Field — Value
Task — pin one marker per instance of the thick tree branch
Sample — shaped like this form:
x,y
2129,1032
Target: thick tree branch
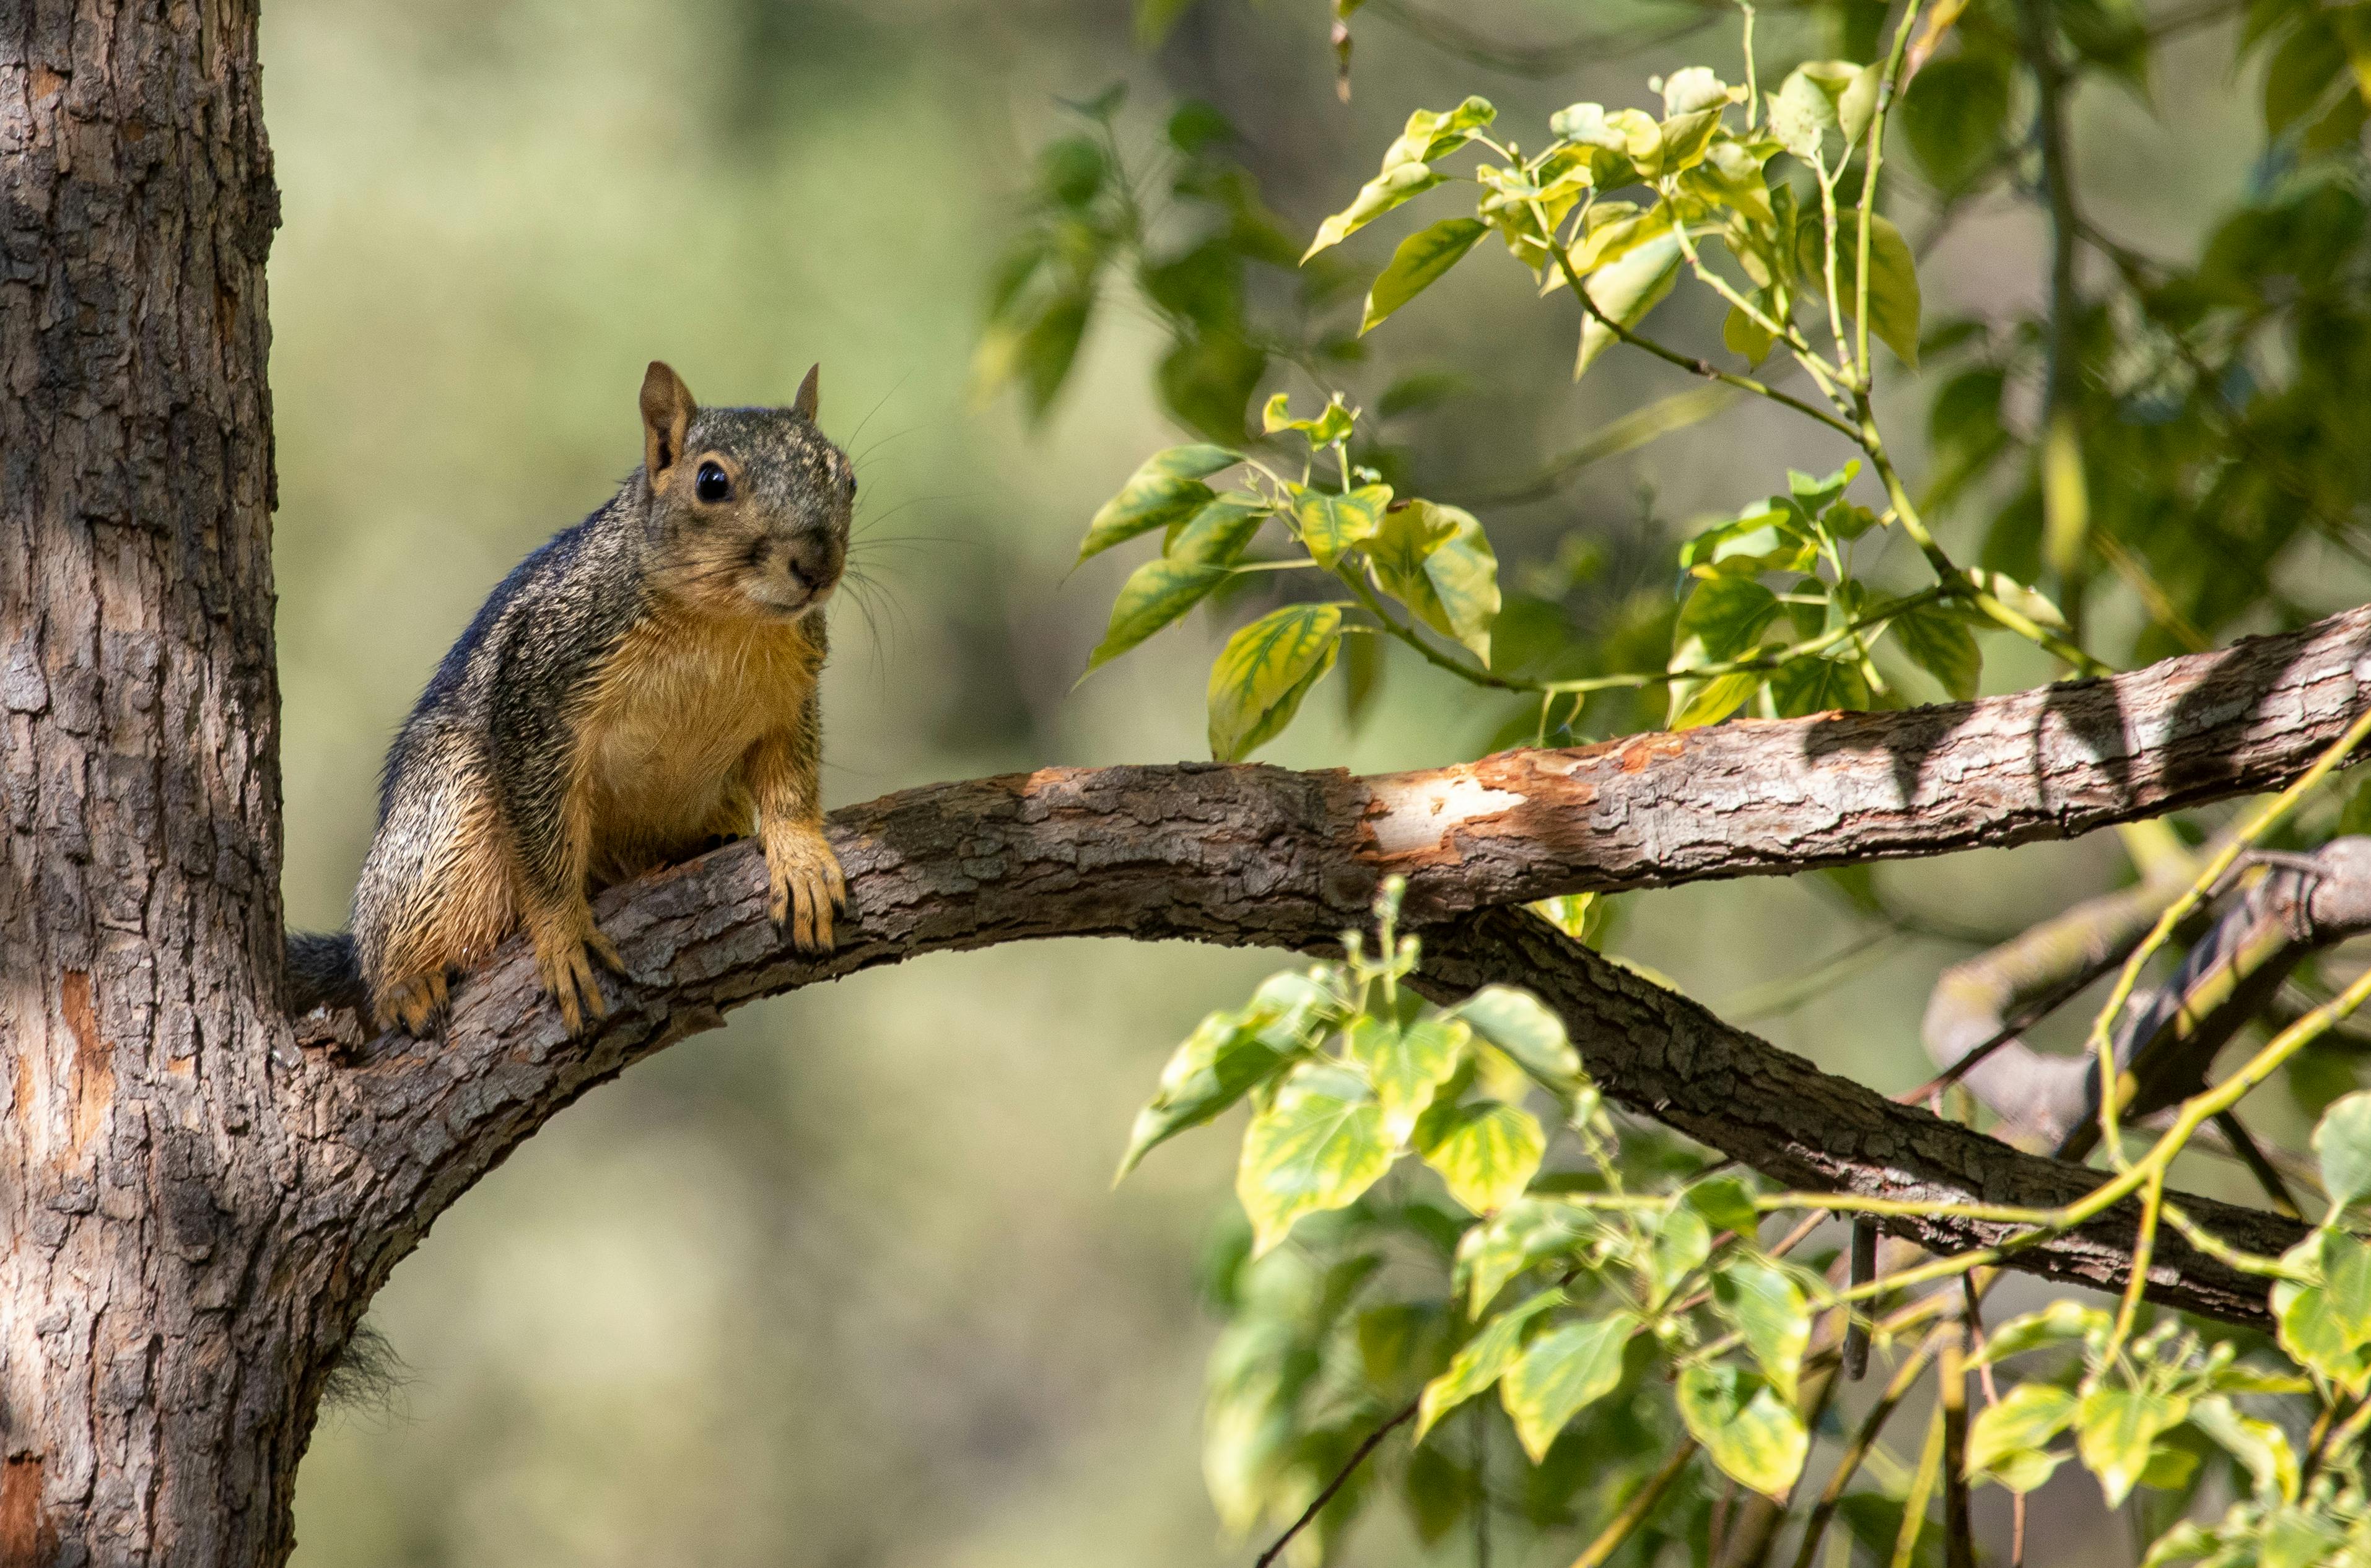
x,y
1257,856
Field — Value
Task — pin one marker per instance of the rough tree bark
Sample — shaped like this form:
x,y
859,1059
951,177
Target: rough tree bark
x,y
157,1303
196,1210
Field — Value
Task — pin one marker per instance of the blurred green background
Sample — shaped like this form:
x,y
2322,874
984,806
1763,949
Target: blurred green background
x,y
844,1283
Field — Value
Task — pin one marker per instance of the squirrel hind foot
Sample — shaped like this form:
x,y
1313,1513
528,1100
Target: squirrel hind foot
x,y
420,1005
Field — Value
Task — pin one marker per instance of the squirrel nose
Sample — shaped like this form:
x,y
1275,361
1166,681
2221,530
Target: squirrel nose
x,y
813,563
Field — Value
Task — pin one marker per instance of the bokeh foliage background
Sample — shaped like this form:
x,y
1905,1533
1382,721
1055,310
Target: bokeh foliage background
x,y
844,1284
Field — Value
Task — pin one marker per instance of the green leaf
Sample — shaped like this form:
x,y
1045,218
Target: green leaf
x,y
1463,572
1430,134
2005,1436
2262,1445
1406,1065
1332,423
1954,114
2032,603
2343,1140
1167,489
1753,1435
1486,1152
1565,1369
1523,1235
1438,1492
1938,641
1893,300
1375,197
1697,704
1422,258
1818,686
1521,1024
1745,336
1330,524
1764,1303
1318,1146
1625,291
2057,1323
1216,535
1222,1061
1722,619
1484,1360
1263,672
1682,1242
2114,1430
1800,112
1155,593
2313,1335
2346,1281
1693,88
1726,1202
1857,105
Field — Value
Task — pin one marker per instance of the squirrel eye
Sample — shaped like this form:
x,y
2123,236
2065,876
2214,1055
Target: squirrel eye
x,y
851,484
711,484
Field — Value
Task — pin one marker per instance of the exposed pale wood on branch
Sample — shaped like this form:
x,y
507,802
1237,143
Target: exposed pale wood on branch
x,y
1259,856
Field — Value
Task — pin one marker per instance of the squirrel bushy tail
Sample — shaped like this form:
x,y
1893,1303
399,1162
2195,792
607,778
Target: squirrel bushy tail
x,y
323,970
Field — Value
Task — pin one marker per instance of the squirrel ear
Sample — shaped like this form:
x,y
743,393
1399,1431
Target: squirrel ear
x,y
667,408
804,404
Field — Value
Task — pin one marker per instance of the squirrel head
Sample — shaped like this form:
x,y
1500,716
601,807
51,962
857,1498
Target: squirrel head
x,y
749,507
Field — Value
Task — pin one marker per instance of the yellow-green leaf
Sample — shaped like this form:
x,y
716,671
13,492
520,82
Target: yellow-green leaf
x,y
1422,258
1225,1057
2313,1335
2262,1445
2004,1434
1525,1233
1762,1302
1216,535
2114,1430
1752,1434
1375,197
1682,1242
2057,1323
1406,1065
1521,1024
1893,299
1332,422
1166,490
2346,1280
1155,593
1565,1369
1486,1152
1726,1202
2343,1142
1259,678
1317,1146
1625,291
1481,1362
1329,524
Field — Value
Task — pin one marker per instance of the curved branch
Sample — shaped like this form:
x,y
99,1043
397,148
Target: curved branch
x,y
1259,855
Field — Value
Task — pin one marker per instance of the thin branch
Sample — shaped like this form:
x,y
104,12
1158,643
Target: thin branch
x,y
1341,1479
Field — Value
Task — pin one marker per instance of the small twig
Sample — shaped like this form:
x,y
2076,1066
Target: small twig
x,y
1617,1529
1341,1479
1864,1269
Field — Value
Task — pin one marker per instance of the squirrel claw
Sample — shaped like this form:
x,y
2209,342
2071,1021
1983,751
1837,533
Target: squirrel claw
x,y
804,887
566,966
416,1006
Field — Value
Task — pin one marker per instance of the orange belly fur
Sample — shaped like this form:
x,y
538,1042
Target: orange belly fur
x,y
670,721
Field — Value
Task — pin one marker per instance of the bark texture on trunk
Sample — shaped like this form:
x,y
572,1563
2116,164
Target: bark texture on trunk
x,y
151,1348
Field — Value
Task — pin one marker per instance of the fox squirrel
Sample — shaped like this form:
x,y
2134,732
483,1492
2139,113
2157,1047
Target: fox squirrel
x,y
636,690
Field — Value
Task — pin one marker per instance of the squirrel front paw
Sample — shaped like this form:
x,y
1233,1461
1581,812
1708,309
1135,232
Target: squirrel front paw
x,y
805,884
565,948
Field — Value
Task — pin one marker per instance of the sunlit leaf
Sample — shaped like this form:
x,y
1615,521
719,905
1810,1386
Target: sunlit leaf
x,y
1682,1242
1332,423
1422,258
1751,1432
1221,1062
1318,1146
1762,1302
1375,197
1521,1024
1564,1370
1259,678
1893,298
1166,490
1726,1202
1520,1236
1216,535
1330,524
2343,1142
1406,1065
2261,1445
1482,1361
1486,1152
2024,1421
1625,291
2059,1323
2114,1430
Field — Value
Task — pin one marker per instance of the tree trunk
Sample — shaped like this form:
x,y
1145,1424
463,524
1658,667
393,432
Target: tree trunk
x,y
154,1383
